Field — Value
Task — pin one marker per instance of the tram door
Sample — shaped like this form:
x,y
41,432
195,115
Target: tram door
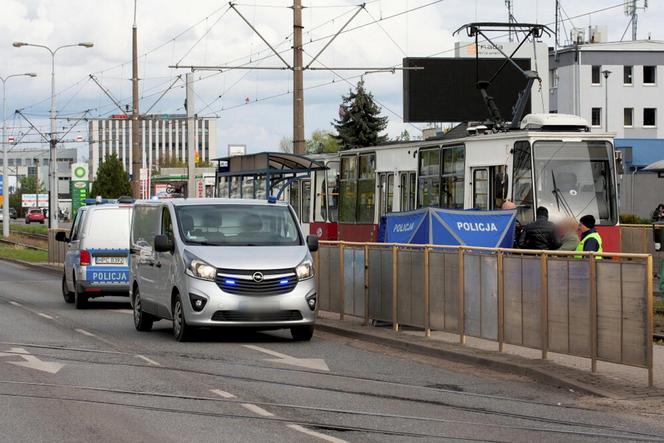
x,y
385,192
490,185
300,200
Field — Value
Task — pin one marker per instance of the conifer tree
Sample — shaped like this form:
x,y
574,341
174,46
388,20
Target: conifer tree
x,y
360,122
112,180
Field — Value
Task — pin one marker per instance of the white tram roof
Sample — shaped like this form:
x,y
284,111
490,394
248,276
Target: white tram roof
x,y
541,126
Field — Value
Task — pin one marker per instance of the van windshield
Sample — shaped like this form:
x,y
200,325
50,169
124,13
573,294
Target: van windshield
x,y
237,225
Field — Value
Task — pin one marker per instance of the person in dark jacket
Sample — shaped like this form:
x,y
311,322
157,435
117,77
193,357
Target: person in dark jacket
x,y
590,239
540,234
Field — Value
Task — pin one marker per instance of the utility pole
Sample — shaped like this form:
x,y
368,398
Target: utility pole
x,y
298,80
136,154
191,138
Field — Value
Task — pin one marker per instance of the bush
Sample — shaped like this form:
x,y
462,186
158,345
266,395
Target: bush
x,y
631,219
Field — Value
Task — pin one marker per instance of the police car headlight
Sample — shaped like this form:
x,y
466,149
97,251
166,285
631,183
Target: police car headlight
x,y
305,270
199,268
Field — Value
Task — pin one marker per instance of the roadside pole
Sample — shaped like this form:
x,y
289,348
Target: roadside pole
x,y
191,138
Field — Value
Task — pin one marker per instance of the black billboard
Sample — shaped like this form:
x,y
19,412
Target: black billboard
x,y
446,89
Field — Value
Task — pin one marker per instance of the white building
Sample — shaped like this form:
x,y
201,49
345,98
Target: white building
x,y
634,89
30,162
163,137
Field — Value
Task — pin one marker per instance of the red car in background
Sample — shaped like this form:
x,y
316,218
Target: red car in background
x,y
34,215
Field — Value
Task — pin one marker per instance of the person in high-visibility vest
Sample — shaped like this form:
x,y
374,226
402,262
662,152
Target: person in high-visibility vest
x,y
591,241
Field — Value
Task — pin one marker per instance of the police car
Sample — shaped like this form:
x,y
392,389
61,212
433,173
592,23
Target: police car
x,y
97,257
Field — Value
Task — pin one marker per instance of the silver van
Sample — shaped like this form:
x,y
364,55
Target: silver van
x,y
97,257
221,262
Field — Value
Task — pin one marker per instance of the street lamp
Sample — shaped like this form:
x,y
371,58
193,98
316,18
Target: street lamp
x,y
5,174
53,165
606,74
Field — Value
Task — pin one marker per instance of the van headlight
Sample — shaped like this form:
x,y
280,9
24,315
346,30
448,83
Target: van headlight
x,y
305,270
199,268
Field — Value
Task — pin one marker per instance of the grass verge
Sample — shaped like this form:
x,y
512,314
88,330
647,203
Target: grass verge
x,y
31,229
19,253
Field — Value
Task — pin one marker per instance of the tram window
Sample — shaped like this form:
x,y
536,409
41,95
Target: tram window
x,y
348,189
522,186
295,197
222,187
390,192
386,192
235,187
306,201
453,177
366,189
481,189
248,187
429,185
333,181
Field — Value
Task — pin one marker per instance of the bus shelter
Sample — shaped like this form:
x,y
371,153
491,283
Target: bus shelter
x,y
263,174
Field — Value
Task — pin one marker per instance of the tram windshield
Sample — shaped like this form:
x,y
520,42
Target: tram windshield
x,y
573,179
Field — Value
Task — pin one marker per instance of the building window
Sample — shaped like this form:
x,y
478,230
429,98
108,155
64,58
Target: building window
x,y
650,117
649,75
596,117
553,78
628,117
627,75
596,75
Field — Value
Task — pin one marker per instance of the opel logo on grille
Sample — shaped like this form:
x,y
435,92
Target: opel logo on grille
x,y
258,277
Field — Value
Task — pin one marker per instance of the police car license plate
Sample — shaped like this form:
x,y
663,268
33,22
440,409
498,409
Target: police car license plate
x,y
110,260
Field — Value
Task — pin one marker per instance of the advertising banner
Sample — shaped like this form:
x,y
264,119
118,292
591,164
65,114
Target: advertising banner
x,y
34,201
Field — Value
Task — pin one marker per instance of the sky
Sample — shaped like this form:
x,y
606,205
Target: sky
x,y
253,107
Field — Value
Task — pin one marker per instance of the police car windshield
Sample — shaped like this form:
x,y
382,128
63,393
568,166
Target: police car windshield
x,y
238,225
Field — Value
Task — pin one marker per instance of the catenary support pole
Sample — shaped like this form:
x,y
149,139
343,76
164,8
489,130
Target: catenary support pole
x,y
136,154
298,80
191,137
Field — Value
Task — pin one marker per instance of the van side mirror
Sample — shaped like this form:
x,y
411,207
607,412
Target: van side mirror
x,y
312,243
61,236
163,244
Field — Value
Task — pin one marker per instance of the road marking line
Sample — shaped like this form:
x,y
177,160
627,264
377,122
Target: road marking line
x,y
84,332
149,360
16,304
268,351
257,410
45,316
317,364
221,393
316,434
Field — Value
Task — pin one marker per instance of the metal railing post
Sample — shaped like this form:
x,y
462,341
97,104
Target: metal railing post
x,y
461,295
501,302
395,282
593,312
427,305
544,305
366,285
342,286
649,326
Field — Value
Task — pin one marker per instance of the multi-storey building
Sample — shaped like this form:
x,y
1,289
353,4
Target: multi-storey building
x,y
163,140
629,78
22,162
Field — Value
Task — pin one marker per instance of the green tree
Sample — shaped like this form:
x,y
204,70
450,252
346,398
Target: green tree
x,y
26,185
286,145
404,136
112,180
359,123
321,142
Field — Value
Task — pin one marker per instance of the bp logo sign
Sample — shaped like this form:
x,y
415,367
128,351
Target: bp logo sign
x,y
79,171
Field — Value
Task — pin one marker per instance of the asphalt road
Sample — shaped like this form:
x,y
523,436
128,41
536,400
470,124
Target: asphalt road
x,y
68,375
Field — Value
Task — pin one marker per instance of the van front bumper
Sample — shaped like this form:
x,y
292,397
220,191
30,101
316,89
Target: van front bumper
x,y
259,311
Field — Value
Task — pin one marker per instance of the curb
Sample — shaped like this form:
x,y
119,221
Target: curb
x,y
538,374
52,269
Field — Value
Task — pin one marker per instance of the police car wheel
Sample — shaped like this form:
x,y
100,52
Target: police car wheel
x,y
142,321
181,330
302,333
66,293
80,300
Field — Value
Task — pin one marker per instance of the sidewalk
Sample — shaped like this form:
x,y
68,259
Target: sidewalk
x,y
610,381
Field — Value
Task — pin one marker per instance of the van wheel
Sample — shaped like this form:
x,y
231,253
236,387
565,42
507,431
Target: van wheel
x,y
66,293
80,299
181,330
302,333
142,321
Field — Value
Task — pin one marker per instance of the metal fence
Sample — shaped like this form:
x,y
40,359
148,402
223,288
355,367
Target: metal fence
x,y
562,302
56,249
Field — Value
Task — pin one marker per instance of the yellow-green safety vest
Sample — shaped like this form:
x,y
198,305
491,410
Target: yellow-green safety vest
x,y
596,236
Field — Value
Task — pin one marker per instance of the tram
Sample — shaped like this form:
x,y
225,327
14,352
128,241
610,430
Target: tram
x,y
552,161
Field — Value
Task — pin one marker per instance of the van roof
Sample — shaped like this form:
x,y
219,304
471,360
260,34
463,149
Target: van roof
x,y
209,201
